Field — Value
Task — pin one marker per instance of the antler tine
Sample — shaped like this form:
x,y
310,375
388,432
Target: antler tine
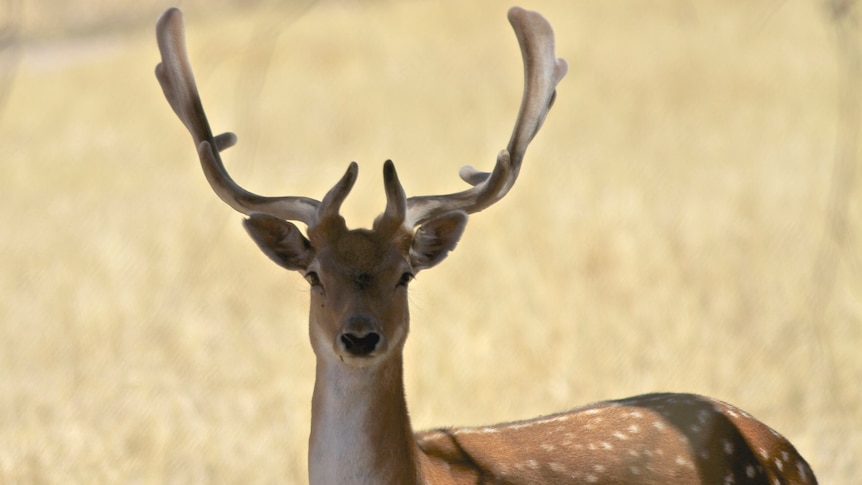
x,y
396,201
178,84
542,72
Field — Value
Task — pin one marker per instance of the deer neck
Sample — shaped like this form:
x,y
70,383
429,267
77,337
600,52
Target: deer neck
x,y
360,431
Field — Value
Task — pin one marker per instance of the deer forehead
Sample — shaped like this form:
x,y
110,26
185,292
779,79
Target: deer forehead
x,y
362,255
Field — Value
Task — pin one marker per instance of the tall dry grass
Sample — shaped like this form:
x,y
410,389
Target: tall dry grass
x,y
687,220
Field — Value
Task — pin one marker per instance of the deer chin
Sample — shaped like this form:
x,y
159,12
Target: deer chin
x,y
360,362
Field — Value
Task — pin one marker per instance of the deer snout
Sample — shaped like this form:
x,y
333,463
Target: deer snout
x,y
360,337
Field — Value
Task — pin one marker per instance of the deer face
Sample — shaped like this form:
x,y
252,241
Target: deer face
x,y
358,278
358,294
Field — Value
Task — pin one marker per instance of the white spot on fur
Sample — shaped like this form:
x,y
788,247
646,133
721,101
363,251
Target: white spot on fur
x,y
802,471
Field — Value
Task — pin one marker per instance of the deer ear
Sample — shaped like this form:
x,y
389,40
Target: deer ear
x,y
434,239
280,240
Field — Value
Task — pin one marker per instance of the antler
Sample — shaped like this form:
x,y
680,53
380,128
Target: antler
x,y
178,83
542,71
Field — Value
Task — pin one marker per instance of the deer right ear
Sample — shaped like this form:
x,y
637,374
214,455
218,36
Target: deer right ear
x,y
280,240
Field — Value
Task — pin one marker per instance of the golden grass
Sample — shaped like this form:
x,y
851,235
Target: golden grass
x,y
674,228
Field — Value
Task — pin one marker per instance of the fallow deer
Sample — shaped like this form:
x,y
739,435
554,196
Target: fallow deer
x,y
360,429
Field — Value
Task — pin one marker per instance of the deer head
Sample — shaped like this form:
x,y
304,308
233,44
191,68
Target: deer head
x,y
359,277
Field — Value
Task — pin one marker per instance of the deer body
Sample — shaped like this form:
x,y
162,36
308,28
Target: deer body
x,y
648,439
359,321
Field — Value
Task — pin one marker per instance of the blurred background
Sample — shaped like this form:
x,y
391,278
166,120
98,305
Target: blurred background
x,y
689,219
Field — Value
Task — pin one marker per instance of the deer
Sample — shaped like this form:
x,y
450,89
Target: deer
x,y
361,432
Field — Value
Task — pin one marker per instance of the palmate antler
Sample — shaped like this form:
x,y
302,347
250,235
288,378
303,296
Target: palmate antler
x,y
178,83
542,71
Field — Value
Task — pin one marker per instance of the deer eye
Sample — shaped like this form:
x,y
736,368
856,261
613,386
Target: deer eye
x,y
312,279
406,278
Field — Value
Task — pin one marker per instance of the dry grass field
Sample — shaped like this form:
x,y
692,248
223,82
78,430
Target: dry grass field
x,y
689,219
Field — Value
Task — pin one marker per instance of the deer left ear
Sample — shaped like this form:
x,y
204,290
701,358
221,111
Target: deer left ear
x,y
434,239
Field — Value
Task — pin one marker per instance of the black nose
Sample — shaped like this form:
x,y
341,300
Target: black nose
x,y
360,345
